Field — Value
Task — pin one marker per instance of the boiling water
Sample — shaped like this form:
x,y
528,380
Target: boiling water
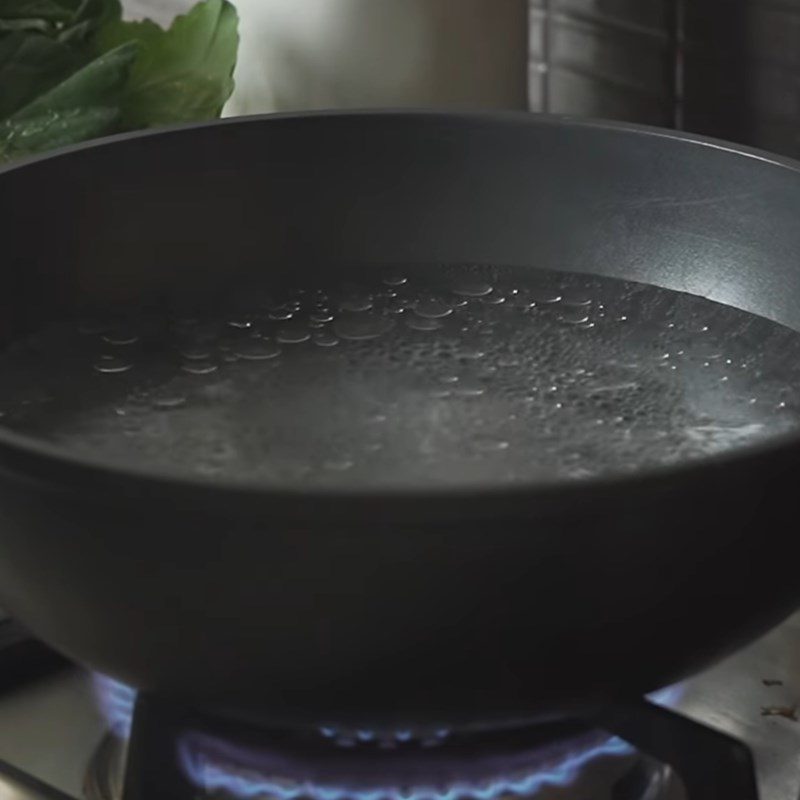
x,y
423,376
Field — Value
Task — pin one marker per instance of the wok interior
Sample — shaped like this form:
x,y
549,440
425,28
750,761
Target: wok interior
x,y
180,218
181,214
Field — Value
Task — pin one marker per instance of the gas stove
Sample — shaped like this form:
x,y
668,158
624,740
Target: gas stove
x,y
70,735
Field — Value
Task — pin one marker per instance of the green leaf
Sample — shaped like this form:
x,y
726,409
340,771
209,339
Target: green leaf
x,y
71,70
43,41
83,106
49,10
77,35
61,11
97,84
35,134
36,25
30,64
183,74
71,21
99,12
89,16
148,35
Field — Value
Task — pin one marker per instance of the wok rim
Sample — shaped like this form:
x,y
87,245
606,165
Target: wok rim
x,y
30,459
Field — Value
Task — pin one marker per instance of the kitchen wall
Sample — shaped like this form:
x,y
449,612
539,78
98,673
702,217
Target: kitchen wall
x,y
302,54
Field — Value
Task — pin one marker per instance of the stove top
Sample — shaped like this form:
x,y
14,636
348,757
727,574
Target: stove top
x,y
52,731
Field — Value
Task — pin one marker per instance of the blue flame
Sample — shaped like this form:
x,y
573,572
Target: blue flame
x,y
244,784
384,738
117,702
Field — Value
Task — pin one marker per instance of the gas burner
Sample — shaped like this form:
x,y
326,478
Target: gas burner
x,y
176,753
590,766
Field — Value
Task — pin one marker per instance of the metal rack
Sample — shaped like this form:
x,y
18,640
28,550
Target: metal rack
x,y
726,68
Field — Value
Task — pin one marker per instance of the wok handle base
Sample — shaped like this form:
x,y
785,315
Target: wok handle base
x,y
710,763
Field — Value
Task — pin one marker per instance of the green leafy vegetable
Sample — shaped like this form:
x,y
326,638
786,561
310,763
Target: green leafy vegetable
x,y
182,74
35,134
31,64
98,83
61,18
46,10
83,106
73,69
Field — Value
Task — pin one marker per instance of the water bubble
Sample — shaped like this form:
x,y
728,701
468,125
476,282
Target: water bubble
x,y
423,324
545,295
432,309
395,280
471,353
325,339
241,323
293,335
575,317
494,299
356,303
321,316
282,314
120,336
257,350
397,306
575,300
195,352
169,402
473,289
524,304
199,367
112,365
362,326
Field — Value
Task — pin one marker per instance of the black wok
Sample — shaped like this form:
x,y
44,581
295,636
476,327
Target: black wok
x,y
382,607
